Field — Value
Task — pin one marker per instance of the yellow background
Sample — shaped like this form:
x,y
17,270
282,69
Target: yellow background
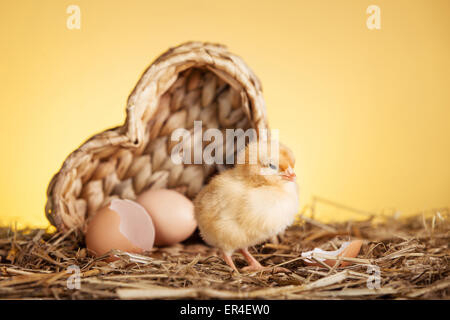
x,y
367,112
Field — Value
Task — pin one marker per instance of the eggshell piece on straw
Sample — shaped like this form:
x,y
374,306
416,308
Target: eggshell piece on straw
x,y
347,250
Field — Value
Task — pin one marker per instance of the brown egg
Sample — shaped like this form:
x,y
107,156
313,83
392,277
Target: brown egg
x,y
172,214
123,225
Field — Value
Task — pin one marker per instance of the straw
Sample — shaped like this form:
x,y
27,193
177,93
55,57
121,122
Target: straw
x,y
36,264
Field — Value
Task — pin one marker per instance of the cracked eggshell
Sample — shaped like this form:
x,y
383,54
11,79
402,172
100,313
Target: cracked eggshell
x,y
348,249
123,225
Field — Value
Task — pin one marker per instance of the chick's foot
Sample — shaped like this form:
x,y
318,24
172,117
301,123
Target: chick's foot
x,y
253,264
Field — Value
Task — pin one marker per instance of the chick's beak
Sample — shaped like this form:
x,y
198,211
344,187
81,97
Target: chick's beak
x,y
289,174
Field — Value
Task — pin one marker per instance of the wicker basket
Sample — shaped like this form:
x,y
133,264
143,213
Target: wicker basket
x,y
194,81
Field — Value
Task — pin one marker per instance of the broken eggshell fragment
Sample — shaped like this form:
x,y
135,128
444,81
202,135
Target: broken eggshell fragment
x,y
349,249
123,225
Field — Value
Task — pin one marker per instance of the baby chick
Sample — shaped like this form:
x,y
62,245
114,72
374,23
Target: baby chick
x,y
248,204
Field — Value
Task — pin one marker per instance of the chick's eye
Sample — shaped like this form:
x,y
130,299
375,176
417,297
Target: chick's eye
x,y
273,167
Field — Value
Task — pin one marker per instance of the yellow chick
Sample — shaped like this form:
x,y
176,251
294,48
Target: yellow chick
x,y
248,204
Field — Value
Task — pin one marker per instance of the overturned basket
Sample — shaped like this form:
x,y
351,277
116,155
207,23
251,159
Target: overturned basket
x,y
194,81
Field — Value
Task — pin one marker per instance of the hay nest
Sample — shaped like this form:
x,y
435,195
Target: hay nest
x,y
412,256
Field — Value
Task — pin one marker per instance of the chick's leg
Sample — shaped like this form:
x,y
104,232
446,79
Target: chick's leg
x,y
229,260
253,264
